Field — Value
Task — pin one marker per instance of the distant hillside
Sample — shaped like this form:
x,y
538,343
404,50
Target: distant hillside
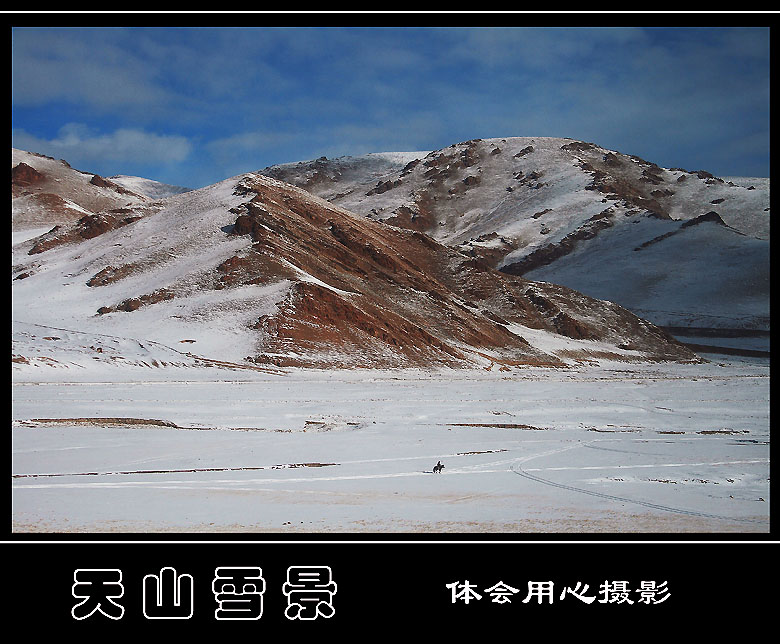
x,y
47,192
148,187
570,212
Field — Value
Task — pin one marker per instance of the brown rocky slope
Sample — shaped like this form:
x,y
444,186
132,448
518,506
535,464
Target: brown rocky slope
x,y
354,292
572,212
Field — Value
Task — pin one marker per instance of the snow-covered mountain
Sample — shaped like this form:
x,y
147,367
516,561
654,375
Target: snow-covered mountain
x,y
259,272
148,187
155,346
680,248
47,192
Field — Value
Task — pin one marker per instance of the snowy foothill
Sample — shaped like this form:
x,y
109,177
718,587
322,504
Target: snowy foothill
x,y
162,442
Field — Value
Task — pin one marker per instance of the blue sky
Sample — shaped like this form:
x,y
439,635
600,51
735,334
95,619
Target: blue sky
x,y
192,106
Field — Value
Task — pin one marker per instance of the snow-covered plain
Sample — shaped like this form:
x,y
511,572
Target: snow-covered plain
x,y
593,448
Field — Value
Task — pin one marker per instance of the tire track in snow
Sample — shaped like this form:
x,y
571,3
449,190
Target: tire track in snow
x,y
656,506
514,466
261,467
227,484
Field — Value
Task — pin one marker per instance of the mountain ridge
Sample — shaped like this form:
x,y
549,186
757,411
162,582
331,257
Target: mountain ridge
x,y
258,271
535,206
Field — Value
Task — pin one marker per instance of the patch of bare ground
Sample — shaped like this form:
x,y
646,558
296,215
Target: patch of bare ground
x,y
111,274
114,421
486,451
498,425
128,422
89,226
723,431
590,354
45,360
223,364
177,471
134,303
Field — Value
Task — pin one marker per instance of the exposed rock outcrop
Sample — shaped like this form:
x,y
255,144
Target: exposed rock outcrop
x,y
23,175
87,227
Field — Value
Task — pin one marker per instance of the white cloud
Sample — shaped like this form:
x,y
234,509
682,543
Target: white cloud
x,y
78,143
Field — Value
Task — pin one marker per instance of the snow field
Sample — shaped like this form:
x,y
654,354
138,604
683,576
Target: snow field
x,y
614,448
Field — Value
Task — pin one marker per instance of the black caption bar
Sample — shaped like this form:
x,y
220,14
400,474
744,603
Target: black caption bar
x,y
325,589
